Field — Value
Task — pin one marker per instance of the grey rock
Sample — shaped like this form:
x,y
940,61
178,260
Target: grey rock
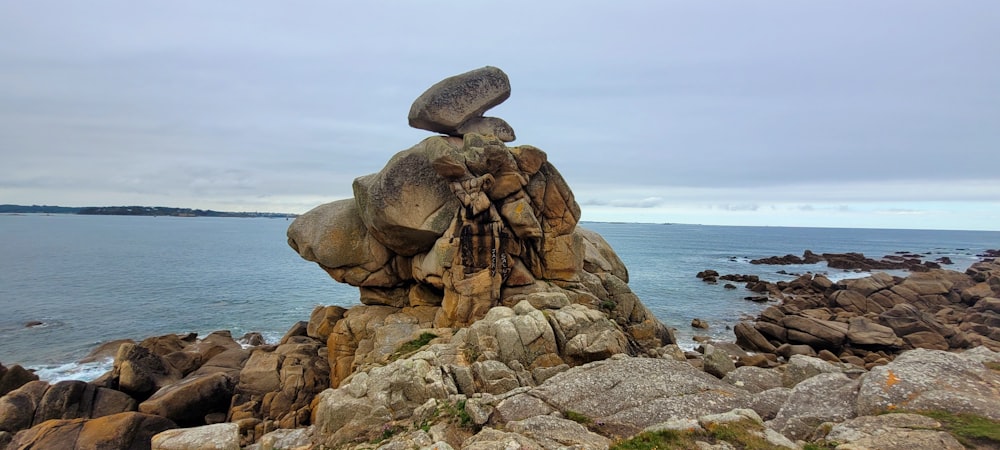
x,y
492,439
285,439
717,362
931,379
405,206
487,126
801,368
892,432
753,379
220,436
449,103
555,433
827,397
625,395
520,407
768,403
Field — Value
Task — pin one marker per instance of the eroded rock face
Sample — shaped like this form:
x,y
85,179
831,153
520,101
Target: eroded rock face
x,y
456,101
932,380
127,430
867,321
459,225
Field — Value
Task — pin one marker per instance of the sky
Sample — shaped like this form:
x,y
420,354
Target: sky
x,y
774,113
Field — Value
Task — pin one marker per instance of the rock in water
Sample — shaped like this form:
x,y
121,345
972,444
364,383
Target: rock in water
x,y
452,102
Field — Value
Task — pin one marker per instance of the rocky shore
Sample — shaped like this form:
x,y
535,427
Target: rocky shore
x,y
490,320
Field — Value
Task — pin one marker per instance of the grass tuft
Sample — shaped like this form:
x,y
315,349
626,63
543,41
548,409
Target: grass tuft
x,y
665,439
412,346
578,418
968,428
745,434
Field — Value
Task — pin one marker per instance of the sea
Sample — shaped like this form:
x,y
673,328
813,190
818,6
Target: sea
x,y
86,280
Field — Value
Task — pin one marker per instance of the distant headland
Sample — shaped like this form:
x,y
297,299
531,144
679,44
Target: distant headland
x,y
133,211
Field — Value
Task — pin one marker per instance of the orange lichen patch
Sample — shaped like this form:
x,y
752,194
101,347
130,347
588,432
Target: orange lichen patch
x,y
891,380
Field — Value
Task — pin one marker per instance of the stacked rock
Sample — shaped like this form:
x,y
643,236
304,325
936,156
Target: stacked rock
x,y
459,224
455,105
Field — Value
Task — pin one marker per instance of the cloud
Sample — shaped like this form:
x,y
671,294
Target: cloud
x,y
642,106
648,202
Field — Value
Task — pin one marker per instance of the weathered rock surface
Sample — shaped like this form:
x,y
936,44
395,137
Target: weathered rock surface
x,y
880,315
625,395
931,380
38,401
892,432
128,430
456,100
14,377
221,436
457,226
804,411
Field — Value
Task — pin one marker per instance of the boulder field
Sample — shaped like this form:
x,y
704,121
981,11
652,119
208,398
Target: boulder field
x,y
487,319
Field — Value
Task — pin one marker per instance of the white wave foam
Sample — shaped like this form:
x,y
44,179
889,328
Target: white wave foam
x,y
74,371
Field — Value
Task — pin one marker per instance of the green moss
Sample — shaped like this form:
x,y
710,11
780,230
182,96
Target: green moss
x,y
745,434
969,429
412,346
819,446
666,439
742,434
578,418
608,305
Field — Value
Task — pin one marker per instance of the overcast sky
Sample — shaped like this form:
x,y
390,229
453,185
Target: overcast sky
x,y
846,114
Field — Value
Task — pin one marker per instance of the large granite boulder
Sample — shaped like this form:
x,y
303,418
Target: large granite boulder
x,y
127,430
220,436
932,380
190,400
459,225
827,397
38,401
896,431
277,385
622,396
14,377
456,100
869,320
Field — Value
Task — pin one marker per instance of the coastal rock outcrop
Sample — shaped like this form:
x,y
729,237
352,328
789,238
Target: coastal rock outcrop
x,y
489,319
455,105
866,321
461,224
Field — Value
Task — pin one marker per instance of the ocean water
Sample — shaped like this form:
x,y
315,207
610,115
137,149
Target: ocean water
x,y
92,279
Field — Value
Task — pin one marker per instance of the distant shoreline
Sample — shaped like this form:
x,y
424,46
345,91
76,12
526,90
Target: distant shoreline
x,y
134,211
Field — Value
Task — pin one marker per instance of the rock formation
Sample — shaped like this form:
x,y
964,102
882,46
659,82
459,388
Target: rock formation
x,y
866,321
489,319
460,224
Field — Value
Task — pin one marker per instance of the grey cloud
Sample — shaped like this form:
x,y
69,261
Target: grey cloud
x,y
724,103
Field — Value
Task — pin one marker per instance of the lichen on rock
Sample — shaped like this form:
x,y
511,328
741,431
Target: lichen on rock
x,y
460,224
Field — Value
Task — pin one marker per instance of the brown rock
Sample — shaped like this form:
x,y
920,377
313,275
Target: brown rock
x,y
926,339
189,400
126,431
862,331
139,372
823,333
17,408
14,377
749,338
322,320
